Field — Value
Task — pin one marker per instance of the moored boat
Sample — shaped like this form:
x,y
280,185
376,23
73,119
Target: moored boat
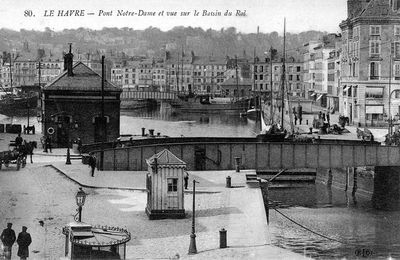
x,y
207,103
11,104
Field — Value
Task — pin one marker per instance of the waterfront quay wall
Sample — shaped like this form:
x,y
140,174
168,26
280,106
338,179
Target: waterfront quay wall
x,y
341,157
357,179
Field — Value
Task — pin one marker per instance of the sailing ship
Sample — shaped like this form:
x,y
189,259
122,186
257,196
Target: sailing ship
x,y
206,103
18,104
275,132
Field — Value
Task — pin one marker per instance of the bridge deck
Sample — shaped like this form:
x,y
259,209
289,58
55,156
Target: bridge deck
x,y
256,155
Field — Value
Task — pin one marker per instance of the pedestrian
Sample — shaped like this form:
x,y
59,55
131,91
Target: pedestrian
x,y
328,118
320,115
300,119
295,119
24,240
186,179
79,142
18,141
8,239
92,163
323,117
48,143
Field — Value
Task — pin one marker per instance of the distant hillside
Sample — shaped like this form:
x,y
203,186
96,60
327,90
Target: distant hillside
x,y
152,41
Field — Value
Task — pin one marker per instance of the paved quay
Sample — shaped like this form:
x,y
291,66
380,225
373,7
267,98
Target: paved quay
x,y
239,210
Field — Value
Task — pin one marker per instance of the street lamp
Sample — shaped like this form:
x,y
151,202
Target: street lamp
x,y
192,246
390,120
80,201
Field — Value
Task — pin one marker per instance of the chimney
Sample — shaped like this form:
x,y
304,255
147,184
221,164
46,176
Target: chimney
x,y
68,61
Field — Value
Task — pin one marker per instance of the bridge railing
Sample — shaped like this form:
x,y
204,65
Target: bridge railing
x,y
141,95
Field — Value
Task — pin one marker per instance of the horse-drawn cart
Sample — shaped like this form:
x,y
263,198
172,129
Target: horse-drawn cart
x,y
12,157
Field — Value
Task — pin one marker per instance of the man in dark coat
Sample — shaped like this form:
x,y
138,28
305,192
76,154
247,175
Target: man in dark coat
x,y
24,240
48,143
18,141
8,239
186,179
92,163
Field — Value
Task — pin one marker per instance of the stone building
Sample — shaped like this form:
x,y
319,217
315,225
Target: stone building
x,y
261,76
370,63
315,75
72,106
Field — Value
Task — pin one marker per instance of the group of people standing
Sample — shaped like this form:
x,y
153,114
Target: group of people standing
x,y
23,240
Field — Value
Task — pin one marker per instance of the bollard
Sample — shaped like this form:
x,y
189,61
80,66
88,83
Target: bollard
x,y
310,130
307,122
228,182
222,238
143,131
237,164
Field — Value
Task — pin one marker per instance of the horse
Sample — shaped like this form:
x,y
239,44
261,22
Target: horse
x,y
27,148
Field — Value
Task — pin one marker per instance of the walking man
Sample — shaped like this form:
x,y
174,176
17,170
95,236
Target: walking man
x,y
8,239
328,118
186,179
24,240
48,143
92,163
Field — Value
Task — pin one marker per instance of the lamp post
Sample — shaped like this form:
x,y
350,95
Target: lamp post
x,y
390,121
66,124
192,246
80,201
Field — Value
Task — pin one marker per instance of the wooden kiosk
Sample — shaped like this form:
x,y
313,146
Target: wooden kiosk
x,y
164,182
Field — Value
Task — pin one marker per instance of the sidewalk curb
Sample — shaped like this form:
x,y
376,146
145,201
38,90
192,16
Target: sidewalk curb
x,y
119,188
90,186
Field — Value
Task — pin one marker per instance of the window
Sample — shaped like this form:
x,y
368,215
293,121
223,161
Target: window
x,y
375,30
374,70
397,30
373,92
261,77
172,184
374,47
261,86
395,49
298,68
396,71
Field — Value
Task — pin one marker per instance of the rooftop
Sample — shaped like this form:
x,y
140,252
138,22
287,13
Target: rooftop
x,y
84,79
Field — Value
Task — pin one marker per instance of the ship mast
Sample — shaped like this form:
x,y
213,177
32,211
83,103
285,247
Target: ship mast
x,y
283,74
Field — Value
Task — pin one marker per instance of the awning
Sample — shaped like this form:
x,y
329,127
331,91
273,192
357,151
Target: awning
x,y
313,94
345,87
373,109
319,97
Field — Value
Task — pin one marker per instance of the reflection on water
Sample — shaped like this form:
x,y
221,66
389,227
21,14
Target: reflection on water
x,y
351,222
173,123
169,122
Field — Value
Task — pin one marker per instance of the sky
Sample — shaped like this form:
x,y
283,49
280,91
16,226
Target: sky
x,y
301,15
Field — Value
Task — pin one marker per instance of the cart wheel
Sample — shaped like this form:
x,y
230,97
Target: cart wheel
x,y
6,164
18,164
23,162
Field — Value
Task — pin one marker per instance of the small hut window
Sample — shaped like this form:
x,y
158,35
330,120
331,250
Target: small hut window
x,y
172,184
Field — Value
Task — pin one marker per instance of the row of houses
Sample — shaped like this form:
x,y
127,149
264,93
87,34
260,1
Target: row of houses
x,y
356,73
